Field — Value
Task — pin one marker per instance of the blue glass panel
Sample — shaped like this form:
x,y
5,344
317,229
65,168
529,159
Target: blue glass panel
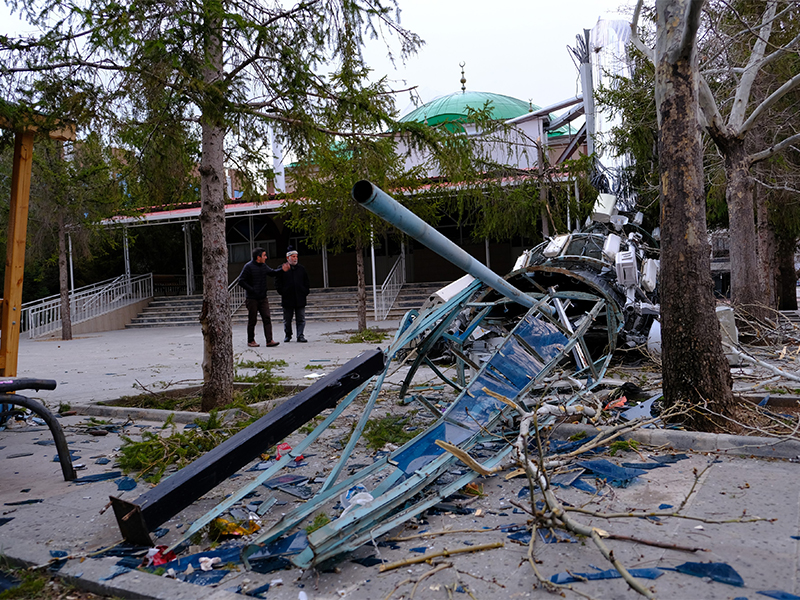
x,y
474,413
544,338
492,383
516,363
425,450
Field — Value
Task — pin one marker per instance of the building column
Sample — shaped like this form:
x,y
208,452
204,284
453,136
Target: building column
x,y
187,248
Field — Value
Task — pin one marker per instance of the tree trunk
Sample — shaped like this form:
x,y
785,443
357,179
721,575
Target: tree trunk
x,y
695,371
63,281
767,249
745,281
361,302
215,315
787,276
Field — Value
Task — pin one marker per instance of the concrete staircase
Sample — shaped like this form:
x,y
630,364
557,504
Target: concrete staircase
x,y
324,304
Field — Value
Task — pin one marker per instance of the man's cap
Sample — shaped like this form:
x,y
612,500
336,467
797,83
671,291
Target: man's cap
x,y
290,251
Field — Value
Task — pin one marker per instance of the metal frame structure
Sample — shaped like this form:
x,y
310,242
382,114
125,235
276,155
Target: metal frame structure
x,y
136,519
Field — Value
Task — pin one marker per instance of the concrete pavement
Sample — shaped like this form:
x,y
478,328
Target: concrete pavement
x,y
717,482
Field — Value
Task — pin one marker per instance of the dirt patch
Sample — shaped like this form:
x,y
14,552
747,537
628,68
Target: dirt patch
x,y
188,399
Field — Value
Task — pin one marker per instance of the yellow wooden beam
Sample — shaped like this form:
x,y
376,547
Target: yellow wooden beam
x,y
15,253
63,131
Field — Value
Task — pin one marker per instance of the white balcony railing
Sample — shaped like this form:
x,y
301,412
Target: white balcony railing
x,y
391,288
41,317
237,294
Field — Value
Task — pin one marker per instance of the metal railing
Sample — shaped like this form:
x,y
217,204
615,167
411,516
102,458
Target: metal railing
x,y
41,317
391,288
237,294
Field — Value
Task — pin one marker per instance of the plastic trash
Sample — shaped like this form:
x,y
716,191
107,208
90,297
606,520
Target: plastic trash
x,y
354,497
282,449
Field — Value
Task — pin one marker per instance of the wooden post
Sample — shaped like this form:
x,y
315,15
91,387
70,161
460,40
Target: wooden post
x,y
15,253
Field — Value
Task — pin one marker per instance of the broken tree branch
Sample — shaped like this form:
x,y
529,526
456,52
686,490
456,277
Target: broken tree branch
x,y
445,552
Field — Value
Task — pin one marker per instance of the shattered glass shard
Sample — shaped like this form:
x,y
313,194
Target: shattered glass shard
x,y
557,536
615,475
205,577
562,578
779,595
721,572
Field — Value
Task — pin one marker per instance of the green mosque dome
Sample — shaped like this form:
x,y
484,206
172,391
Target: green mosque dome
x,y
453,108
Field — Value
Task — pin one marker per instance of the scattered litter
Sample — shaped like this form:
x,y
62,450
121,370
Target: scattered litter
x,y
45,443
155,557
284,480
126,484
56,565
664,506
102,461
521,537
613,474
98,477
207,564
8,581
116,572
258,592
419,549
262,466
779,595
645,466
73,456
354,497
566,479
298,491
222,527
160,532
669,458
204,578
721,572
271,557
550,536
23,502
642,411
585,486
282,449
562,578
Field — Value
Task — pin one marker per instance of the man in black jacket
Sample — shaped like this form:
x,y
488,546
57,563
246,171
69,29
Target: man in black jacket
x,y
254,280
293,286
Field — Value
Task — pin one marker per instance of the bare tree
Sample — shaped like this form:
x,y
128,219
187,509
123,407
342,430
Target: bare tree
x,y
733,66
695,369
233,65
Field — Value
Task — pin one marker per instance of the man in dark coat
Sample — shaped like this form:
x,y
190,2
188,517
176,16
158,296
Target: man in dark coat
x,y
293,286
254,280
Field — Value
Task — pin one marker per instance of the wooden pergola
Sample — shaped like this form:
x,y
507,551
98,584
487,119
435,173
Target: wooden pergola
x,y
17,233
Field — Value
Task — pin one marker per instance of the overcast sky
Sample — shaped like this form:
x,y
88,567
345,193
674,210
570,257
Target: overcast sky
x,y
512,47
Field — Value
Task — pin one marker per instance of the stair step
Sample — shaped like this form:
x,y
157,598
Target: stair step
x,y
324,304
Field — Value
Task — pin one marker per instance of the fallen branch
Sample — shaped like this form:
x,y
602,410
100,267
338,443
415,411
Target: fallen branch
x,y
438,533
429,556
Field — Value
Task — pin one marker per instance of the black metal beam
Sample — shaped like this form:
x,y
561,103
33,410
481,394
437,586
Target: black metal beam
x,y
136,519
